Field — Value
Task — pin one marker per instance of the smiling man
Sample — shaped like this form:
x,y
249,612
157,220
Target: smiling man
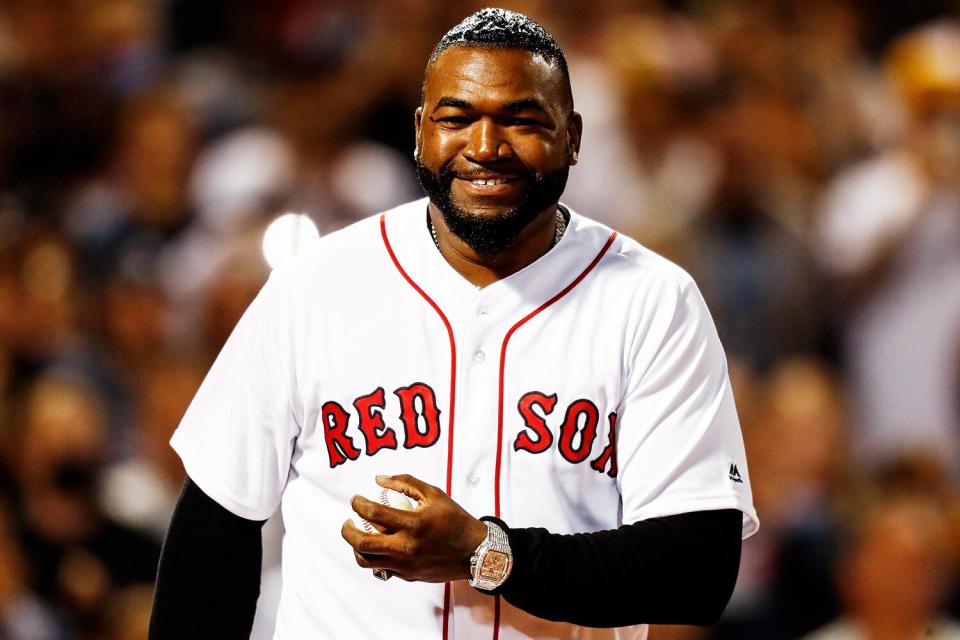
x,y
496,137
551,394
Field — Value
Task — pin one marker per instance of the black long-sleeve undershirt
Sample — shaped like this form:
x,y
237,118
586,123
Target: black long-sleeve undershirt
x,y
677,569
208,581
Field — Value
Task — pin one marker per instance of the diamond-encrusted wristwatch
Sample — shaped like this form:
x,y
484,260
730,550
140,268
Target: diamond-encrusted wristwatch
x,y
491,563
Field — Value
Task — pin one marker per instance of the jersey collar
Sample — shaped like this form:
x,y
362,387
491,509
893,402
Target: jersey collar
x,y
526,289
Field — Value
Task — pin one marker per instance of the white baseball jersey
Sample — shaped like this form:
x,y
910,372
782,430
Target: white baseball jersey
x,y
585,391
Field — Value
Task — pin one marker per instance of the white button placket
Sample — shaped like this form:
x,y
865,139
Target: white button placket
x,y
475,438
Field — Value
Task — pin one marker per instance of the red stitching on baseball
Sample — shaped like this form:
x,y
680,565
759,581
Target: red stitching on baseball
x,y
385,502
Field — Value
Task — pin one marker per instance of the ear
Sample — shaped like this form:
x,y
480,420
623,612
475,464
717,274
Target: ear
x,y
418,132
574,134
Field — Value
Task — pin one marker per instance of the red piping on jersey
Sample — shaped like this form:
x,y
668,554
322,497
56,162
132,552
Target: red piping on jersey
x,y
453,390
503,361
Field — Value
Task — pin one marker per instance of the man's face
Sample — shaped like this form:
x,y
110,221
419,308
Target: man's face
x,y
495,136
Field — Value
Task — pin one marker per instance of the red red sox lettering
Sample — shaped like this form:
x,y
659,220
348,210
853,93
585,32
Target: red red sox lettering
x,y
420,420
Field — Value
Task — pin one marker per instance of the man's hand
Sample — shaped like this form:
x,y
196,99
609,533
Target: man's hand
x,y
432,543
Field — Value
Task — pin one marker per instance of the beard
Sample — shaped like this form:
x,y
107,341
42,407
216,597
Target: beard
x,y
493,234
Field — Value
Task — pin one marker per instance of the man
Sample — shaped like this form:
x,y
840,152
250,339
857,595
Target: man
x,y
485,351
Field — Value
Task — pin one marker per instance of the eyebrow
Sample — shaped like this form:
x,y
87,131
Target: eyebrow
x,y
454,103
524,105
516,105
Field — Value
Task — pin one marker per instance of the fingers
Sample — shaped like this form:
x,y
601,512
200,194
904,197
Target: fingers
x,y
396,548
364,543
419,545
380,552
393,567
383,516
371,562
409,486
367,548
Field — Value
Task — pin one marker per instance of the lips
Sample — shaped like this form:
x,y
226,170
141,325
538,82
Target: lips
x,y
490,185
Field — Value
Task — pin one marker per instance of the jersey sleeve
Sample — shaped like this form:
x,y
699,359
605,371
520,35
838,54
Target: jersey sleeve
x,y
679,444
237,436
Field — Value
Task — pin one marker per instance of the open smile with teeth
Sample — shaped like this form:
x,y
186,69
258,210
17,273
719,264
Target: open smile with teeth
x,y
487,187
491,181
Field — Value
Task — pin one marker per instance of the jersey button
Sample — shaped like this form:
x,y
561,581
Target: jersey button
x,y
473,480
479,357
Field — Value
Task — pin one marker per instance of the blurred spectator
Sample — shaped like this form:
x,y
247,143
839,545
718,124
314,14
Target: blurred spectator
x,y
893,574
757,274
234,288
240,181
644,168
796,448
139,201
45,296
23,616
890,234
129,613
141,490
135,318
76,553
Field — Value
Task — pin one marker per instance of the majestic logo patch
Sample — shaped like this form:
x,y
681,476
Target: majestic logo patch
x,y
735,474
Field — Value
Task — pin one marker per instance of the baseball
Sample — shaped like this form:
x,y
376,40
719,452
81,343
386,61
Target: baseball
x,y
387,497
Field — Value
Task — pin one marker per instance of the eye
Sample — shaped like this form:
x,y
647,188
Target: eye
x,y
452,122
523,122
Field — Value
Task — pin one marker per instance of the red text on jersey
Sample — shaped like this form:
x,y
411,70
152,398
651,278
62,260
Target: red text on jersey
x,y
575,438
419,418
578,431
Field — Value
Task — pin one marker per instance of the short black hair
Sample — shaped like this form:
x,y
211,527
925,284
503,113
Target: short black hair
x,y
494,28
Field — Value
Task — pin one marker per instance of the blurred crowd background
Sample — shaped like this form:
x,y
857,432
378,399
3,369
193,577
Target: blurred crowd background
x,y
801,158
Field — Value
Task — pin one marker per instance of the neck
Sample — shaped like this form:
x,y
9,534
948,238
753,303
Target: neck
x,y
481,270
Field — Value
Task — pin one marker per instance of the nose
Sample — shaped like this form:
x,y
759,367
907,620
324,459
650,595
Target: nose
x,y
487,142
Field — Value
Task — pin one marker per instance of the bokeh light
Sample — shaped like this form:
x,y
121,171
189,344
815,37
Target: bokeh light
x,y
287,236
